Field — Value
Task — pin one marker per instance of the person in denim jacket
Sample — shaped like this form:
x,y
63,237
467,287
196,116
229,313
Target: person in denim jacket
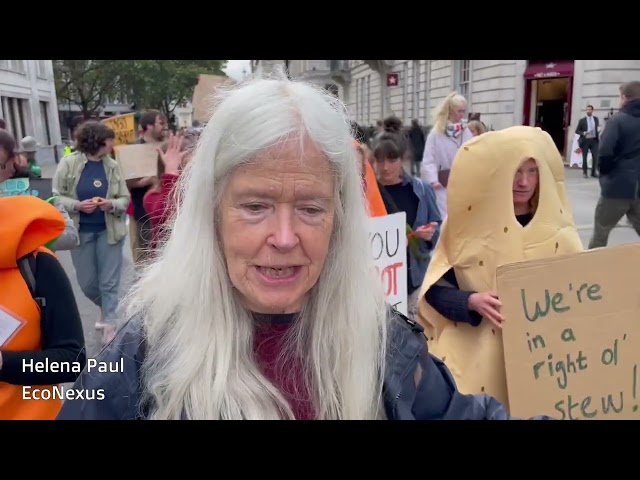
x,y
418,200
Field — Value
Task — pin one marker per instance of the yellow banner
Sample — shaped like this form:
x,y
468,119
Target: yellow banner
x,y
124,126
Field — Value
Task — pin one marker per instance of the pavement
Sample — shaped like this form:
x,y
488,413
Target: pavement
x,y
583,193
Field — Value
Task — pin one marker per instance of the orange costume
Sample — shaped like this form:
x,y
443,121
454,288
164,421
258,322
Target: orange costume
x,y
374,198
26,224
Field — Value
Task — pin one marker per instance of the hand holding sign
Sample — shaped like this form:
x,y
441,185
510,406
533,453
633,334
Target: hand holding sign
x,y
488,305
425,232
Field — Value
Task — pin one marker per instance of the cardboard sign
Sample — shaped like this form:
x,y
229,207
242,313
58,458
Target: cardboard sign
x,y
572,334
124,128
388,241
38,187
138,161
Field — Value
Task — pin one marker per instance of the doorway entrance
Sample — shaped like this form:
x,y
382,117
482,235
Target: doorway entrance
x,y
551,104
548,98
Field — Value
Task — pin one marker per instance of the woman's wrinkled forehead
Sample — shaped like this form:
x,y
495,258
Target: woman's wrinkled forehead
x,y
290,157
294,154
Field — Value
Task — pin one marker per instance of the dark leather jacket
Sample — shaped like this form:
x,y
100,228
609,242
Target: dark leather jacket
x,y
417,386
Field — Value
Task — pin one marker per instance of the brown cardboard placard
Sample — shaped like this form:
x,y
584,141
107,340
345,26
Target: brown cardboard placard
x,y
572,334
138,161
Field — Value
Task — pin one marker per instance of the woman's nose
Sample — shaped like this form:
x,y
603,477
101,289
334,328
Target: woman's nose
x,y
284,236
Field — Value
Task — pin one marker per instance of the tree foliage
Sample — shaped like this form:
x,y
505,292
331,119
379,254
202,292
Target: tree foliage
x,y
85,83
157,84
163,84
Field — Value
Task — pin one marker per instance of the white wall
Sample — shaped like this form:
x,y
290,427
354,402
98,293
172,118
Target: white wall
x,y
34,83
493,86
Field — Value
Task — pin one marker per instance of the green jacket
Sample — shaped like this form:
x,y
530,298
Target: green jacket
x,y
65,182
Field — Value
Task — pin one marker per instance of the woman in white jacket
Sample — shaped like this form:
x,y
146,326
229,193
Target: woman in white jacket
x,y
446,137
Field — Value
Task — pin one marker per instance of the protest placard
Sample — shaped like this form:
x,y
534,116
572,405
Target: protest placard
x,y
388,241
138,161
37,187
124,128
572,336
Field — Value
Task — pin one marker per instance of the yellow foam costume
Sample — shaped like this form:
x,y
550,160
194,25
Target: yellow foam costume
x,y
481,232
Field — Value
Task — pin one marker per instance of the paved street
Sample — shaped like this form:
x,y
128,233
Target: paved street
x,y
88,311
582,192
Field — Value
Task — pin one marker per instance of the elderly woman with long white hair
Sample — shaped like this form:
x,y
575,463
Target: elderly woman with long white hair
x,y
262,303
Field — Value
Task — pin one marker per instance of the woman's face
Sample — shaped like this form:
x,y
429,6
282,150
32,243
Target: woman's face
x,y
277,218
7,165
525,182
389,170
107,149
456,113
4,157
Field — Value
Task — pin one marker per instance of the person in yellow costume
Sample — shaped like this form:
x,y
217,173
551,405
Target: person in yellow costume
x,y
507,202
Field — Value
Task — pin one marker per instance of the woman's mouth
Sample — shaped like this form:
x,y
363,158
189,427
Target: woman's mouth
x,y
280,274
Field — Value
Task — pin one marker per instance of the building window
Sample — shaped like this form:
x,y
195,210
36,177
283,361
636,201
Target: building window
x,y
368,116
332,89
42,69
15,114
463,76
361,100
44,114
13,65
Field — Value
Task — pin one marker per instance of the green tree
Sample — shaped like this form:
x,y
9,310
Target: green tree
x,y
163,84
86,83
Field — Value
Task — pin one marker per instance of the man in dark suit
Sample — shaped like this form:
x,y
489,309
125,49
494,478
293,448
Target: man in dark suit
x,y
589,140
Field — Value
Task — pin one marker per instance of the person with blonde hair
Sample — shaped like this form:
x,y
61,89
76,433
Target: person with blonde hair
x,y
445,138
262,303
507,203
476,127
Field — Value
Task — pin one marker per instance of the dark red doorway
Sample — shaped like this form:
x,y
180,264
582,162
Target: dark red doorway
x,y
547,98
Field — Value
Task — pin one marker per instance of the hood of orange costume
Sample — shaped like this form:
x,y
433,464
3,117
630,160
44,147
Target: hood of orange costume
x,y
372,192
26,223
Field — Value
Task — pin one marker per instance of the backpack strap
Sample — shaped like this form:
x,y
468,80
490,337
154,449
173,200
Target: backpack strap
x,y
27,267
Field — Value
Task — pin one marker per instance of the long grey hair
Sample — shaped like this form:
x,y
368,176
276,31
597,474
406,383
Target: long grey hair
x,y
200,362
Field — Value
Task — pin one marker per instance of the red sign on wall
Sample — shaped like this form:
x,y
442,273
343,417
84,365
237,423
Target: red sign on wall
x,y
393,79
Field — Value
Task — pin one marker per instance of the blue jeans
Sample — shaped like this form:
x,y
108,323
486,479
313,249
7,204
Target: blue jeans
x,y
99,269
